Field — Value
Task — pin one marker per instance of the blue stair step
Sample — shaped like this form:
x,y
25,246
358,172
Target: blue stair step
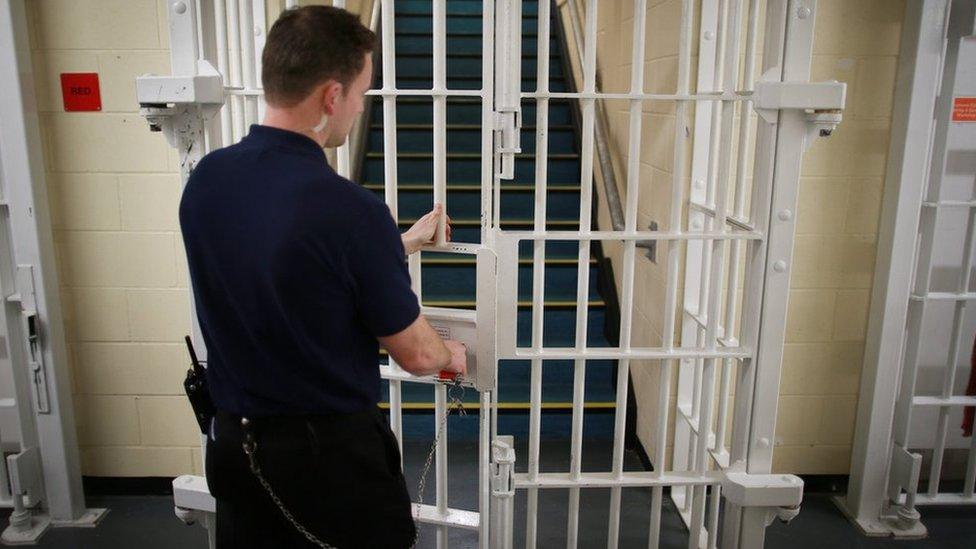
x,y
467,203
454,7
467,138
419,168
408,24
466,83
466,66
466,44
448,281
417,110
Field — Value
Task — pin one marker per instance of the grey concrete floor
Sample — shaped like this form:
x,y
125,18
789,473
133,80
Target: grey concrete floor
x,y
147,521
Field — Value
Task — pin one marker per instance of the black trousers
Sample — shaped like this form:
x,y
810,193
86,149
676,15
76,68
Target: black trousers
x,y
339,475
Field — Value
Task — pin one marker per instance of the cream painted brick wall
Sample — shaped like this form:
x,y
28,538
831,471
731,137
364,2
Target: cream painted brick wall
x,y
114,194
837,218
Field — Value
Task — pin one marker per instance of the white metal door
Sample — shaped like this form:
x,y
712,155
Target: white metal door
x,y
39,459
733,226
920,339
739,230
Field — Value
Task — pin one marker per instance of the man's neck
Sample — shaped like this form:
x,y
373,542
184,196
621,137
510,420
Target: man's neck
x,y
287,119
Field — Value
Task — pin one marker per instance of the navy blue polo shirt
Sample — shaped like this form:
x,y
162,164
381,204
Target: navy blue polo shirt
x,y
296,271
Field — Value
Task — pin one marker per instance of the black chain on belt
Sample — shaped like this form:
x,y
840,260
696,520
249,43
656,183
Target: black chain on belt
x,y
456,396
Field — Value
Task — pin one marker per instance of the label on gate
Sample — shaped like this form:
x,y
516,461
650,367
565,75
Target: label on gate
x,y
964,109
80,91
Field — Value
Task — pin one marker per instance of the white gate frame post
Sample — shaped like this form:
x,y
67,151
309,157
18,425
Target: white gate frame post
x,y
916,89
39,341
789,23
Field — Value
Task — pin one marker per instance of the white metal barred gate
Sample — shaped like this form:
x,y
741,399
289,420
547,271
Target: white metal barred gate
x,y
731,223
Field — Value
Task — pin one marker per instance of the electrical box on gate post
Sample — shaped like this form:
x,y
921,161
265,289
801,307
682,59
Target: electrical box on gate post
x,y
476,329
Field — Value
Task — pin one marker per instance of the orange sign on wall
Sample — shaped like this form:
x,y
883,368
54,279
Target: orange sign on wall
x,y
964,109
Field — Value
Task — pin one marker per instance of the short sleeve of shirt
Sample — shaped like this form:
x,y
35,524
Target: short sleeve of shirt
x,y
376,261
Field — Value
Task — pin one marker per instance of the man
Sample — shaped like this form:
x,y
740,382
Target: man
x,y
299,275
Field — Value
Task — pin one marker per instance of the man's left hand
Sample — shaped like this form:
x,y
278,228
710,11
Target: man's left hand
x,y
422,232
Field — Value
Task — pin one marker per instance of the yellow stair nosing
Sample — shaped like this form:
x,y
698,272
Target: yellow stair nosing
x,y
551,156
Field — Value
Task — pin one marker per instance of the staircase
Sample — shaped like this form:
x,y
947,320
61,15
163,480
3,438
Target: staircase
x,y
449,280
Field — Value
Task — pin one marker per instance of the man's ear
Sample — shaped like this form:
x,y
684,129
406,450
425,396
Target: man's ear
x,y
331,93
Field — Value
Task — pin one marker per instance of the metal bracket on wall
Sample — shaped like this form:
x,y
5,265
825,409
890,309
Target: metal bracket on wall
x,y
822,101
31,322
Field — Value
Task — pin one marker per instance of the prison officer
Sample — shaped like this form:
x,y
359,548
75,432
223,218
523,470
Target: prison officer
x,y
298,277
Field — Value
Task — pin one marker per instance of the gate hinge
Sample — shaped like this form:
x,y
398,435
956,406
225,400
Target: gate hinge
x,y
822,101
782,494
503,467
179,106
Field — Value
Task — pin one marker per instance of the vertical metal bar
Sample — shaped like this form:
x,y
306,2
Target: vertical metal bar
x,y
441,460
722,120
235,52
291,4
220,26
739,188
920,63
440,115
792,128
389,108
949,376
247,56
689,369
538,267
487,131
627,298
674,264
588,110
736,519
390,181
484,468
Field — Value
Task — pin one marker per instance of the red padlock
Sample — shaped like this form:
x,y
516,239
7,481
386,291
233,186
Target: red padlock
x,y
444,375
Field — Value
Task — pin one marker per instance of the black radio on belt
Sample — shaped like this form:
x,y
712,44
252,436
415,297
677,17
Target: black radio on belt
x,y
196,389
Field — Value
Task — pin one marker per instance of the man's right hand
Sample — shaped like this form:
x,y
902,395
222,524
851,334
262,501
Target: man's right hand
x,y
459,359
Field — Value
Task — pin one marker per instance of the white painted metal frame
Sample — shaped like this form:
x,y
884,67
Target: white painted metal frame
x,y
790,113
37,423
719,234
922,194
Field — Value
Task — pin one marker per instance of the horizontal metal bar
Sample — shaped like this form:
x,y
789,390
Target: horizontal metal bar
x,y
717,451
942,499
945,296
735,221
645,96
507,405
646,353
425,93
943,401
636,235
248,92
629,478
949,204
387,372
458,518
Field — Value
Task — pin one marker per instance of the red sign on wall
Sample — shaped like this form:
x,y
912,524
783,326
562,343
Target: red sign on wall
x,y
964,109
80,91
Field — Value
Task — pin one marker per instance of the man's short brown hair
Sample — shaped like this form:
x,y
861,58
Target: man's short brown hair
x,y
309,45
